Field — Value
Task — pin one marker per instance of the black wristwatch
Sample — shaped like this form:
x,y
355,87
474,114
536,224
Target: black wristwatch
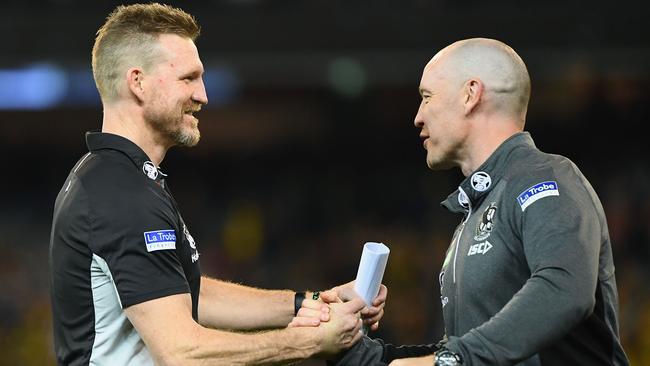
x,y
298,298
445,357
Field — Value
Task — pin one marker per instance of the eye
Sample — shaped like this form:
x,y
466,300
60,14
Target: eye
x,y
190,77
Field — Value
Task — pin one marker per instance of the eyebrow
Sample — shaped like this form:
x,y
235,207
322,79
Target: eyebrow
x,y
193,73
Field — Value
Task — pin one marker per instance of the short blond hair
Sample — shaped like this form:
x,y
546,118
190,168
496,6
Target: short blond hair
x,y
129,37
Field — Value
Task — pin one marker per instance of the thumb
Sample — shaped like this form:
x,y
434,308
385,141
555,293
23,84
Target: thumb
x,y
329,296
353,306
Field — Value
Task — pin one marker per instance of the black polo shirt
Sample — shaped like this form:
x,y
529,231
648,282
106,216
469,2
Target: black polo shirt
x,y
117,239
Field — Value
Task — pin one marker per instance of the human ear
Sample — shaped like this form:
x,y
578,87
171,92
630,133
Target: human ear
x,y
134,81
473,93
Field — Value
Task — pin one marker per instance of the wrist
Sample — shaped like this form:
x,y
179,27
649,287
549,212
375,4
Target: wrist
x,y
305,340
445,357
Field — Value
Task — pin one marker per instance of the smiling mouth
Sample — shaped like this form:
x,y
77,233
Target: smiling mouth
x,y
190,113
192,109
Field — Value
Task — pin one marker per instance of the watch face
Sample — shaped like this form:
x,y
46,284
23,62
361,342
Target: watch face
x,y
446,358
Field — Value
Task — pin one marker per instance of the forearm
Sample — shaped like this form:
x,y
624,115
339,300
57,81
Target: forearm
x,y
174,338
277,347
372,352
225,305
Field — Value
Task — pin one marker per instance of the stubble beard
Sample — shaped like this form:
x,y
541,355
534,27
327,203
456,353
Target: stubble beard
x,y
169,124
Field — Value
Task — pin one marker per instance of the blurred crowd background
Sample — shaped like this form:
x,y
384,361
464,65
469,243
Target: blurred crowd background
x,y
309,149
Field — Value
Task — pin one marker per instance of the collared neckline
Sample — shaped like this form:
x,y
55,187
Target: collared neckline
x,y
480,182
96,140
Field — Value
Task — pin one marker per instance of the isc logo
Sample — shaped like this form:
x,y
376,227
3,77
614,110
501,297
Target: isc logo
x,y
480,248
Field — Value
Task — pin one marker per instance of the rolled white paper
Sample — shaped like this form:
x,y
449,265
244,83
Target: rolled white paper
x,y
371,271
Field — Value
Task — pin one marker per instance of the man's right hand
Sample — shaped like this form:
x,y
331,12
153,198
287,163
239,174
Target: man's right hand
x,y
343,329
370,314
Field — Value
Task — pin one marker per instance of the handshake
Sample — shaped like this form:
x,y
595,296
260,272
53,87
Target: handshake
x,y
334,318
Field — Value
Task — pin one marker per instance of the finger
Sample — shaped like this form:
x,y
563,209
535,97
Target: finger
x,y
313,304
373,319
310,313
304,322
347,293
325,315
329,296
381,296
374,326
371,311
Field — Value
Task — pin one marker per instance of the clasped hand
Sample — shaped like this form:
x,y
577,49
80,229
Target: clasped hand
x,y
313,312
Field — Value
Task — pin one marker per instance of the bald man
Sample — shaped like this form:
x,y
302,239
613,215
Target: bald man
x,y
528,278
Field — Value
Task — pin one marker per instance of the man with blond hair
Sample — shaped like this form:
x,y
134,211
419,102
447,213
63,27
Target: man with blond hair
x,y
528,278
126,286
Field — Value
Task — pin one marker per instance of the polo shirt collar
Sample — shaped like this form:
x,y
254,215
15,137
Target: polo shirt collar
x,y
96,141
476,186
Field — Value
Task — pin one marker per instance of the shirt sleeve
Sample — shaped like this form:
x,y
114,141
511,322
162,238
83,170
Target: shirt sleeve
x,y
375,352
561,236
137,239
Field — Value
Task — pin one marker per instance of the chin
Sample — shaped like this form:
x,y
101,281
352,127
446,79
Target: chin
x,y
437,164
193,140
187,138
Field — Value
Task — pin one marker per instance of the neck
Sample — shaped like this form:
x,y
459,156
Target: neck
x,y
121,120
487,136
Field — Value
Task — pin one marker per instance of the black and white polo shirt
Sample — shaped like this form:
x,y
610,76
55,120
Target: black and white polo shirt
x,y
117,239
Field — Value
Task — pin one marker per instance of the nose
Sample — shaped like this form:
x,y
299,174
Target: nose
x,y
419,121
200,95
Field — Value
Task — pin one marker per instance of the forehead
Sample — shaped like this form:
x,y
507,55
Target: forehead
x,y
430,75
179,51
440,70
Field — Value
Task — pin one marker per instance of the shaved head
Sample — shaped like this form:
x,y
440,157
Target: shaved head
x,y
495,64
475,95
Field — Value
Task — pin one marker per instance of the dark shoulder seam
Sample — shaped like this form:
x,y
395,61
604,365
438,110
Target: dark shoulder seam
x,y
81,162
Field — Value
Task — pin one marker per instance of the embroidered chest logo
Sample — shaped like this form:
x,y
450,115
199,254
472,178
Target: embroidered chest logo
x,y
486,224
481,181
150,170
480,248
190,239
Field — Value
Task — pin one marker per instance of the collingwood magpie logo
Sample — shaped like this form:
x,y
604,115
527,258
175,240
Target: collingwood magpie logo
x,y
485,226
150,170
481,181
